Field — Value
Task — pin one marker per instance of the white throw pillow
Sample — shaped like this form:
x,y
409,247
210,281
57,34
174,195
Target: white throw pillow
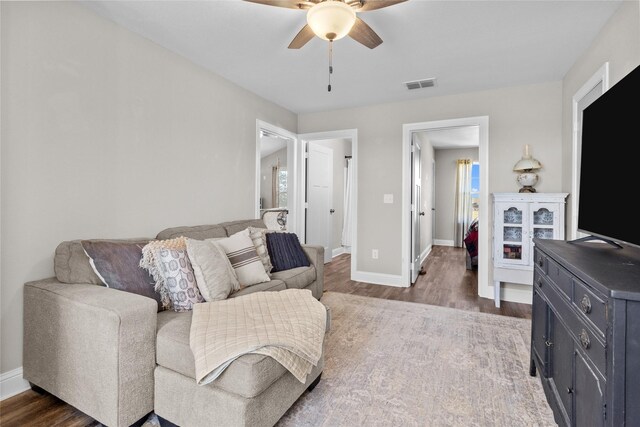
x,y
215,277
244,258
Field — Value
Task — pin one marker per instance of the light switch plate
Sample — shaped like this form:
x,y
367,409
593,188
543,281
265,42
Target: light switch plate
x,y
388,198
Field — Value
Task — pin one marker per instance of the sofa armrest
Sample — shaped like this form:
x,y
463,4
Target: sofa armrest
x,y
91,346
315,253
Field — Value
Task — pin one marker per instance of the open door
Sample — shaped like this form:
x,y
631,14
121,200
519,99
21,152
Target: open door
x,y
319,197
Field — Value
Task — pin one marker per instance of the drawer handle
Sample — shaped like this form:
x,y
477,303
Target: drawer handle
x,y
540,262
585,304
540,282
548,343
569,390
584,339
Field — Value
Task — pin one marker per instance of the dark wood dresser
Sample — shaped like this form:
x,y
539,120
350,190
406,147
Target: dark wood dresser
x,y
585,334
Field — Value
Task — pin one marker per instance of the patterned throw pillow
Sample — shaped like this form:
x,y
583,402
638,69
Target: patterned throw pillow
x,y
178,276
151,261
116,264
244,258
285,251
257,237
215,276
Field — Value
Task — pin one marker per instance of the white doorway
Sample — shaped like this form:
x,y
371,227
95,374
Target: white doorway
x,y
344,217
482,122
276,164
319,210
417,214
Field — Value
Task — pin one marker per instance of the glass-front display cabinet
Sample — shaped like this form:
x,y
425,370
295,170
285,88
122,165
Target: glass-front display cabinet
x,y
518,218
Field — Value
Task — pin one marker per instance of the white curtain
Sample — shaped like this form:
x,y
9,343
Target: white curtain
x,y
463,208
346,220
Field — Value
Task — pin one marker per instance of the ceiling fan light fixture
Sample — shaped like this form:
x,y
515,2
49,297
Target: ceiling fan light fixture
x,y
331,19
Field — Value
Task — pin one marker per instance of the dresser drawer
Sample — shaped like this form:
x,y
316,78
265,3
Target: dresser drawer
x,y
591,306
560,277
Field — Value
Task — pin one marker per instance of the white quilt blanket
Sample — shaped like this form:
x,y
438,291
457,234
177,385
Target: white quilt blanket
x,y
287,325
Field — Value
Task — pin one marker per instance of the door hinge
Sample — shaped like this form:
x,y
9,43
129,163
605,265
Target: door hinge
x,y
604,411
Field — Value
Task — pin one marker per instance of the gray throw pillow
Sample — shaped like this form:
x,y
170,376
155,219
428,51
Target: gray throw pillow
x,y
117,265
215,276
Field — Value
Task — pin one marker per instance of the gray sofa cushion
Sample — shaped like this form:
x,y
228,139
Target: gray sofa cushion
x,y
247,376
199,232
272,285
71,263
233,227
299,277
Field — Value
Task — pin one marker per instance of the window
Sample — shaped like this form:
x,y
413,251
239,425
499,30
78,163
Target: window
x,y
475,189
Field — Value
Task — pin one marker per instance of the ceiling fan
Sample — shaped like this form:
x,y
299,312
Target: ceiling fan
x,y
333,19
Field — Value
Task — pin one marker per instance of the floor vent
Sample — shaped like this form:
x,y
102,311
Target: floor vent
x,y
419,84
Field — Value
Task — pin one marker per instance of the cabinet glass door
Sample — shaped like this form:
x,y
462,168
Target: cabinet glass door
x,y
544,218
512,224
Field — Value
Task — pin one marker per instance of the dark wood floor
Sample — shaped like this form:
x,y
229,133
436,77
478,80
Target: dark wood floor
x,y
446,283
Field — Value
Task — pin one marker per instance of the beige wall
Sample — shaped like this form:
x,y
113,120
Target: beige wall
x,y
106,134
517,116
619,44
445,196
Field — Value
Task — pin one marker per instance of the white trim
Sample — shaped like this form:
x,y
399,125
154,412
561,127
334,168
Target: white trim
x,y
484,251
440,242
522,296
337,251
351,134
12,383
292,166
378,278
600,76
425,253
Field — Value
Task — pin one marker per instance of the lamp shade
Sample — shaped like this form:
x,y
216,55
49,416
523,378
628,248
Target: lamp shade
x,y
526,164
331,19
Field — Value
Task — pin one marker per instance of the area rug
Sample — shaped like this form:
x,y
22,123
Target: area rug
x,y
393,363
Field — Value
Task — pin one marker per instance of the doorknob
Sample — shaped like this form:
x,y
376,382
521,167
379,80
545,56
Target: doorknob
x,y
331,211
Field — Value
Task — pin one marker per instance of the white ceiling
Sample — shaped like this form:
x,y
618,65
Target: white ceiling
x,y
466,45
455,137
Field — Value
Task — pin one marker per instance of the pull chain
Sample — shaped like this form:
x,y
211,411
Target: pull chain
x,y
330,63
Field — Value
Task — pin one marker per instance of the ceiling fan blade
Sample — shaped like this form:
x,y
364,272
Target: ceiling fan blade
x,y
376,4
305,34
289,4
362,33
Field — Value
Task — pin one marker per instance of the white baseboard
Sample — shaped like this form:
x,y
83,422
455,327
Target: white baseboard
x,y
379,279
12,383
443,242
337,251
522,296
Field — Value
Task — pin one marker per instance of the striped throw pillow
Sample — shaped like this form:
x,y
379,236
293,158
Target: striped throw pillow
x,y
244,258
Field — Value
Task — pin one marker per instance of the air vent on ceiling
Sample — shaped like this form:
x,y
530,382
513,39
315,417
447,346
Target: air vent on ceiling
x,y
418,84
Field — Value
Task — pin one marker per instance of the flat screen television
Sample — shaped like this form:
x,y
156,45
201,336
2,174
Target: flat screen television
x,y
609,176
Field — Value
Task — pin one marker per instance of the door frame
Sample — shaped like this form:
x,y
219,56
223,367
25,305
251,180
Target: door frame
x,y
485,290
415,210
600,77
351,134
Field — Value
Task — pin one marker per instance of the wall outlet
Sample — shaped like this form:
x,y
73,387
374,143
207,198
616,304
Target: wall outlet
x,y
374,253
